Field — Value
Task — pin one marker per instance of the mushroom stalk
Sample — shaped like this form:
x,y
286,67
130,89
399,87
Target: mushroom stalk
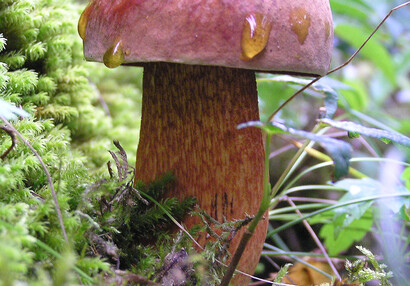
x,y
189,126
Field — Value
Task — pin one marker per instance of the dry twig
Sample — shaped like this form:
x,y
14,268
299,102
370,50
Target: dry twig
x,y
50,181
13,140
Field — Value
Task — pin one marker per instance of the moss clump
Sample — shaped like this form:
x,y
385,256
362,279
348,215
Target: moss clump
x,y
42,71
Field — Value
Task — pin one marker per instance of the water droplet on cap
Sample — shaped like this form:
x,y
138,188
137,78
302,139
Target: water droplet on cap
x,y
82,22
300,23
114,56
255,35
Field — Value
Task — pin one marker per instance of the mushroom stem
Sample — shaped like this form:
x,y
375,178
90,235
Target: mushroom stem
x,y
189,119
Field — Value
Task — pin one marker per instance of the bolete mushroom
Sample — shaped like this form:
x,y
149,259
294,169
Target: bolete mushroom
x,y
199,59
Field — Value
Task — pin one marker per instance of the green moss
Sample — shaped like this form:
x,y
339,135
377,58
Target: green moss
x,y
42,70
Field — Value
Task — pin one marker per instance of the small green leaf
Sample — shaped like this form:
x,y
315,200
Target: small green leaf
x,y
385,140
330,95
353,135
339,151
356,189
384,135
351,8
367,187
354,232
356,96
330,100
373,50
268,128
282,272
404,213
405,176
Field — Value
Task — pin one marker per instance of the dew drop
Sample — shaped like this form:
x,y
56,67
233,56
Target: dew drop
x,y
82,22
300,23
255,35
114,56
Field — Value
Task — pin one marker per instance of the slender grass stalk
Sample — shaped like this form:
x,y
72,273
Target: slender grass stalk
x,y
310,187
47,248
299,207
323,157
170,217
362,200
54,253
296,258
45,169
317,240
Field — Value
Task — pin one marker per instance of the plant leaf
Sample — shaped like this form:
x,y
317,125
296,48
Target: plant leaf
x,y
322,86
351,8
340,151
354,232
405,176
356,189
282,273
268,128
373,50
384,135
356,96
367,187
330,101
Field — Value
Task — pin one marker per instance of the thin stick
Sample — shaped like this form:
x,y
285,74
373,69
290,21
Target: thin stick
x,y
293,96
171,218
281,150
313,200
368,38
50,181
368,147
317,240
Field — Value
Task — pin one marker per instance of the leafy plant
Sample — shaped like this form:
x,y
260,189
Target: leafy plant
x,y
43,78
357,271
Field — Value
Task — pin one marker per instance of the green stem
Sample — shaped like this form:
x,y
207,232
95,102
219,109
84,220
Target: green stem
x,y
47,248
291,166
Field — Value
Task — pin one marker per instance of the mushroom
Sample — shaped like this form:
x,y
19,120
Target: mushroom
x,y
199,59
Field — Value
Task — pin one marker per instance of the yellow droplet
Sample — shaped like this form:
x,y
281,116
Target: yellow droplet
x,y
300,23
114,56
255,35
82,22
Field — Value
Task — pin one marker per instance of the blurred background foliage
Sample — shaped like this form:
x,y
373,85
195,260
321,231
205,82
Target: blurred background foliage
x,y
77,109
373,90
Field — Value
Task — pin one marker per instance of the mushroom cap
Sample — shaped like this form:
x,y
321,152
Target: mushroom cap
x,y
278,36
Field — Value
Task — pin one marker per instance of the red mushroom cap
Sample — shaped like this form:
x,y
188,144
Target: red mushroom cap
x,y
262,35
